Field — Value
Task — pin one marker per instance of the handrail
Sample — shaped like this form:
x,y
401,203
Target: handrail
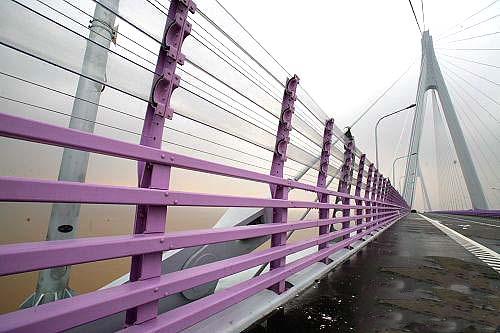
x,y
25,257
378,207
68,313
16,258
40,132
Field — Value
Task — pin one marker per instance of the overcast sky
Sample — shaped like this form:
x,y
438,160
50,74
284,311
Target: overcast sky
x,y
348,52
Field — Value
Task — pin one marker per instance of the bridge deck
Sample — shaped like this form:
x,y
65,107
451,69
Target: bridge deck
x,y
412,278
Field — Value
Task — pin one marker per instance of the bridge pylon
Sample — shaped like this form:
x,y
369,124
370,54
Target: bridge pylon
x,y
432,78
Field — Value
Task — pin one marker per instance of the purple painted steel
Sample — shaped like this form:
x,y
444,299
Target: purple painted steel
x,y
381,203
359,182
17,189
380,190
374,190
380,184
322,174
24,257
152,219
30,130
280,215
368,189
351,168
185,316
386,190
69,313
345,179
284,128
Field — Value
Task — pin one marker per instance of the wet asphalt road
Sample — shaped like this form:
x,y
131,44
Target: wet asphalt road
x,y
485,231
413,278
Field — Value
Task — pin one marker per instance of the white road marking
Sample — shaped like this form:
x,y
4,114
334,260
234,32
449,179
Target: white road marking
x,y
487,255
463,220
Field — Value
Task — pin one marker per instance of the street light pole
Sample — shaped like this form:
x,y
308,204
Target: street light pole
x,y
400,186
53,283
394,162
376,129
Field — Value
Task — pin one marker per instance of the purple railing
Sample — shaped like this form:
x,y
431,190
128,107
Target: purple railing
x,y
379,206
67,313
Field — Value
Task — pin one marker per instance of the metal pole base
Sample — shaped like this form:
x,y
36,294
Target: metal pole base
x,y
43,298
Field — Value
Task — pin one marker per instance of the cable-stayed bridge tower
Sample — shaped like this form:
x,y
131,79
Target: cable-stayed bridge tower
x,y
431,78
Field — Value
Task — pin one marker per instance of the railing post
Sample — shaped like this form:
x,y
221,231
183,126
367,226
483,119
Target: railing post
x,y
152,219
373,197
348,183
280,215
380,185
351,168
344,182
382,194
368,190
386,190
359,182
322,174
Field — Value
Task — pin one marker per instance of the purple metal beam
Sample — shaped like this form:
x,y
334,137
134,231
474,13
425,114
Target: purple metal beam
x,y
380,192
25,257
30,130
359,182
322,174
386,190
68,313
351,168
17,189
280,215
152,219
380,184
368,190
140,296
374,191
345,175
188,315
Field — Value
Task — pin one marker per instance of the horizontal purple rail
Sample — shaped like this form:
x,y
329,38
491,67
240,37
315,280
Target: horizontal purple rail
x,y
34,190
30,130
380,206
24,257
72,312
372,212
187,315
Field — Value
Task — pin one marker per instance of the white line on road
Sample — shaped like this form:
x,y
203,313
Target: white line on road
x,y
486,255
471,221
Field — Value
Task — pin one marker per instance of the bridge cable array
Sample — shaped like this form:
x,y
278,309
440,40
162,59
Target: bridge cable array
x,y
188,85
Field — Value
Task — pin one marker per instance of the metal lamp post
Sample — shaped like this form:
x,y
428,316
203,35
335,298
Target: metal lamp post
x,y
376,128
64,219
400,185
394,163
